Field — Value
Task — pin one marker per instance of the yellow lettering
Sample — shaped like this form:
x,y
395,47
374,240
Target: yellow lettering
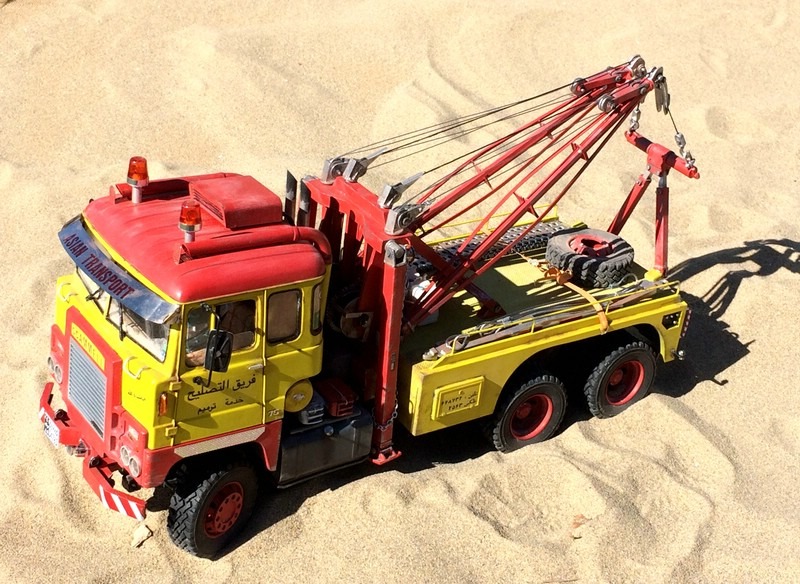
x,y
88,346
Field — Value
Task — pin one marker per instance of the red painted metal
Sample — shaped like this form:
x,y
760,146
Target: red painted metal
x,y
631,91
661,159
594,245
238,202
560,115
148,238
468,269
224,510
531,416
354,225
97,469
633,198
394,279
662,229
605,78
339,398
101,483
243,241
624,382
78,326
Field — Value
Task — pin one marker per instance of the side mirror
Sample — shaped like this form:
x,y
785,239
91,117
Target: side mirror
x,y
218,350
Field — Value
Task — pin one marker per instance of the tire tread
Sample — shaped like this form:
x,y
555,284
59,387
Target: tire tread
x,y
589,272
595,377
185,504
495,428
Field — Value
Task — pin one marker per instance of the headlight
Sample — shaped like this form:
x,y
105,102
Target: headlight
x,y
55,369
130,462
125,456
135,467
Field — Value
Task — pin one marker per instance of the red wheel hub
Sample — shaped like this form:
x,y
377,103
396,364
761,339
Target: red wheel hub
x,y
531,417
624,382
224,509
589,245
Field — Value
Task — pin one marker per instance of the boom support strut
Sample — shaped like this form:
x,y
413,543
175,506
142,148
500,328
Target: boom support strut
x,y
553,144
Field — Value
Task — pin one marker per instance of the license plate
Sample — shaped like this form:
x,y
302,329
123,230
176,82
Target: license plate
x,y
51,430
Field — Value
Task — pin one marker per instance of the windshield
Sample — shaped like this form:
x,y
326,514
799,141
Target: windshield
x,y
151,336
96,265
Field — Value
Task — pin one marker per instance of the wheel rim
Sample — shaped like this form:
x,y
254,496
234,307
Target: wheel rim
x,y
591,246
624,382
531,417
224,509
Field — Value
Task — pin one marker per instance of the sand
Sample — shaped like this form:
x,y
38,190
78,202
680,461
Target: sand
x,y
696,483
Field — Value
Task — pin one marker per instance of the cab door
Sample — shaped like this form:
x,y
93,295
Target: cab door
x,y
231,400
293,341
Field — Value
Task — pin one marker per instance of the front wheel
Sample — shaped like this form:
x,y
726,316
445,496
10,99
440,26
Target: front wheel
x,y
530,414
621,379
208,509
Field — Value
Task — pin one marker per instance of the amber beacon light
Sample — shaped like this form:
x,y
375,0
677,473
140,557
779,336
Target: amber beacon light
x,y
191,220
137,177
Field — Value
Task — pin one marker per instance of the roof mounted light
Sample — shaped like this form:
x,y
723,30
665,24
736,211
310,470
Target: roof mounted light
x,y
137,177
191,221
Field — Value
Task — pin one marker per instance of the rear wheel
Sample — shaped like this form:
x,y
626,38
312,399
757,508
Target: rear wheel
x,y
621,379
530,414
208,509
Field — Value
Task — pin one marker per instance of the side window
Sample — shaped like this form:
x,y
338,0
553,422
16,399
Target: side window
x,y
238,318
198,323
283,316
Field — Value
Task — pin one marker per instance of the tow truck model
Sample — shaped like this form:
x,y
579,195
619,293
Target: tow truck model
x,y
278,341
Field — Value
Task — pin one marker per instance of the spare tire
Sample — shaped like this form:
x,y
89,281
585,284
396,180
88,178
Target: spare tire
x,y
596,259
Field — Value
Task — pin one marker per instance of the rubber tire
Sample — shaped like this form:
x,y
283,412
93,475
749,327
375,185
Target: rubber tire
x,y
542,389
636,364
587,271
190,503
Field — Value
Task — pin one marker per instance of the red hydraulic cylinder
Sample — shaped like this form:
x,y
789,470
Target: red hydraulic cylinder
x,y
660,160
662,226
630,204
394,278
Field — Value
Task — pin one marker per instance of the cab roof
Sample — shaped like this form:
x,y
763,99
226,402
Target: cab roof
x,y
146,237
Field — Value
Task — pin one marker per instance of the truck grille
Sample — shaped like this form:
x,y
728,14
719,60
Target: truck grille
x,y
86,387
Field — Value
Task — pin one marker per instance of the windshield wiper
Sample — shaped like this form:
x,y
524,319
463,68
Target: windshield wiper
x,y
121,330
95,295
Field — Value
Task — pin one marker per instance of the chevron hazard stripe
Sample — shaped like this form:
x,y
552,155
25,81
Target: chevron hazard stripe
x,y
114,502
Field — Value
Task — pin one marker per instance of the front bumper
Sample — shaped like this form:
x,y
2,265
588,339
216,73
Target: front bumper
x,y
97,469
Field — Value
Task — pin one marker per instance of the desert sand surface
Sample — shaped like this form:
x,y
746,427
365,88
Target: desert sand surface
x,y
696,483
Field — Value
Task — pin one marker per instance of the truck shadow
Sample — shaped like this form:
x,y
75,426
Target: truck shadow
x,y
711,347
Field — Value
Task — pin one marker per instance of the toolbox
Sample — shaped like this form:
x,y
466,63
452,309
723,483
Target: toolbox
x,y
310,450
339,398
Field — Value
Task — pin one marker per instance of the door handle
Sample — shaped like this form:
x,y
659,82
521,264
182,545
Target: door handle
x,y
256,367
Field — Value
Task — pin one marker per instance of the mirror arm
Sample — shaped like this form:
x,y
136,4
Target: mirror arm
x,y
200,381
